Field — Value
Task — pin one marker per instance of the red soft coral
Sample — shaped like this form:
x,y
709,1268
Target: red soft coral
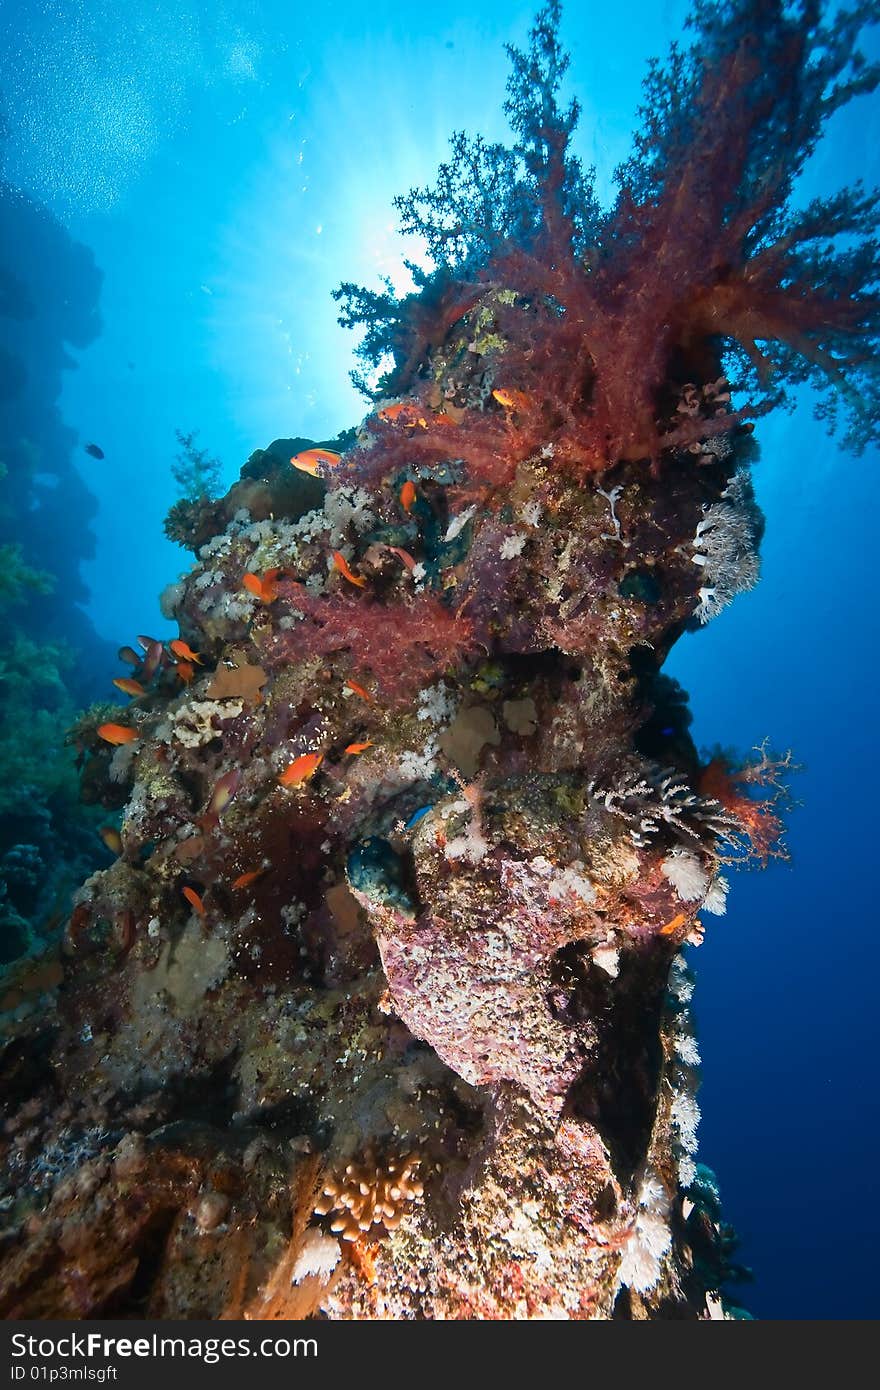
x,y
404,644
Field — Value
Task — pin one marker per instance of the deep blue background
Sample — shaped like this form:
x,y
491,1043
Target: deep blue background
x,y
229,164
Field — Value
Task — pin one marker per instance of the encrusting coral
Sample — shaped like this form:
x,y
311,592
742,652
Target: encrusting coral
x,y
413,829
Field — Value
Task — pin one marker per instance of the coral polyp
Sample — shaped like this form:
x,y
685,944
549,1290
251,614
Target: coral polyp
x,y
413,829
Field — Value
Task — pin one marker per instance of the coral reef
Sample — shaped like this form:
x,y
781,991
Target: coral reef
x,y
382,1008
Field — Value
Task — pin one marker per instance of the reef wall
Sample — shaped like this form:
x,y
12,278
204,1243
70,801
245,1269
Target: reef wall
x,y
382,1010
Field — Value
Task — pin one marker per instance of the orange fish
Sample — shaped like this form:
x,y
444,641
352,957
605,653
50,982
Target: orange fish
x,y
245,879
129,686
186,671
116,733
265,588
194,901
408,495
309,460
342,565
359,747
112,838
677,921
444,419
406,412
301,769
512,400
184,652
359,690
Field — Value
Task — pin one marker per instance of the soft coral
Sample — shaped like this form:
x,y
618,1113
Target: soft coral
x,y
702,254
404,644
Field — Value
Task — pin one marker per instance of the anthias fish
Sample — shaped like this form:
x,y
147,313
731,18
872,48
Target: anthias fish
x,y
403,555
194,901
512,399
263,587
184,651
310,460
408,495
246,879
116,733
359,690
129,686
403,412
342,565
152,659
301,769
359,747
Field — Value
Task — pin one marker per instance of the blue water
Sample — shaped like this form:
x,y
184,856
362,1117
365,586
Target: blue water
x,y
227,166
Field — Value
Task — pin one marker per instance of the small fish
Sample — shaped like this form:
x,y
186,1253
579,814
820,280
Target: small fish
x,y
112,838
186,671
184,651
359,690
129,655
417,816
152,660
244,880
512,400
147,642
342,565
265,588
310,460
301,769
224,790
116,733
194,901
359,747
406,412
444,419
129,686
95,450
403,555
408,495
677,921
